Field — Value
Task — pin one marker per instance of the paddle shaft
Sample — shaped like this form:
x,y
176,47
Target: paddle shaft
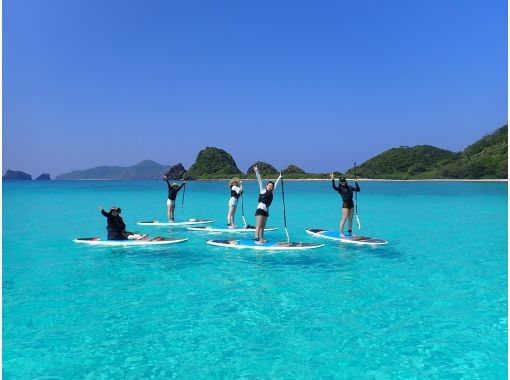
x,y
284,214
242,209
356,199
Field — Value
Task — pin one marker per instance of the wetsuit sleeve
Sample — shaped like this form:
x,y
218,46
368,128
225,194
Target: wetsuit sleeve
x,y
356,188
168,184
334,185
261,186
182,185
105,214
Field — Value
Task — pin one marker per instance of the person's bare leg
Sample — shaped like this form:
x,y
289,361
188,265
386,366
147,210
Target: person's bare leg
x,y
230,216
169,212
345,213
257,226
172,208
263,222
351,214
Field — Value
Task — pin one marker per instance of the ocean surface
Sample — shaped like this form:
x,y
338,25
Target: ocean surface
x,y
431,304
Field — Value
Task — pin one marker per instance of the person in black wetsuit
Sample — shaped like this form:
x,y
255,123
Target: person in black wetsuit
x,y
173,189
115,225
265,199
346,192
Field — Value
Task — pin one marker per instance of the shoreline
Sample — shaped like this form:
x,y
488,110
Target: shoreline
x,y
286,179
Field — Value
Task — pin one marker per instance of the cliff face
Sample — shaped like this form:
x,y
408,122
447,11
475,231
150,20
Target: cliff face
x,y
43,177
12,175
176,172
212,163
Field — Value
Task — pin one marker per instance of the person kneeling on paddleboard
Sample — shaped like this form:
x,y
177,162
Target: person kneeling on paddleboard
x,y
265,199
116,227
173,189
346,192
236,188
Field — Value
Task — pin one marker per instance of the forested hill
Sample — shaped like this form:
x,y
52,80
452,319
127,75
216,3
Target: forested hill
x,y
487,158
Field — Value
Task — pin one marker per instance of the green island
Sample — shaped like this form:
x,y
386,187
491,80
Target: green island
x,y
486,158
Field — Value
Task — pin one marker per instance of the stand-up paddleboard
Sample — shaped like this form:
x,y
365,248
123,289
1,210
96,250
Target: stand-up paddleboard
x,y
134,242
268,246
209,229
354,239
179,223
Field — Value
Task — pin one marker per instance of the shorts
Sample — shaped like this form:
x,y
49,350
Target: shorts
x,y
232,202
348,204
261,212
170,202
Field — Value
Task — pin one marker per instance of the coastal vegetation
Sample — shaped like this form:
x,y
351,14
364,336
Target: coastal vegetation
x,y
486,158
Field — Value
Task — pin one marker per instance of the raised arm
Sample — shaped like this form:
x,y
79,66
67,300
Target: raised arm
x,y
332,175
105,214
182,185
256,170
165,178
278,180
356,188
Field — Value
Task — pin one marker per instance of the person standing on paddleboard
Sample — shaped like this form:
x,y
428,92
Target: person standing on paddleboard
x,y
236,188
265,199
116,227
173,189
346,192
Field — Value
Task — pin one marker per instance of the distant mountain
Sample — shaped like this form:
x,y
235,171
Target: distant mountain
x,y
144,170
43,177
214,163
293,169
265,169
16,175
486,158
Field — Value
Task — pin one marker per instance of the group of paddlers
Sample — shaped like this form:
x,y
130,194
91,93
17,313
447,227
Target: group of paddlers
x,y
117,229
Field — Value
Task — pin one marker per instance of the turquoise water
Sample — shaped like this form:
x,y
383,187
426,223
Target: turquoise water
x,y
431,304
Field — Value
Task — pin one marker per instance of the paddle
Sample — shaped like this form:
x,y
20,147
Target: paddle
x,y
356,200
184,187
242,209
284,214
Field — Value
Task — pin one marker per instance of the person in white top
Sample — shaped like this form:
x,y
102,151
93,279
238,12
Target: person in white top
x,y
236,189
265,199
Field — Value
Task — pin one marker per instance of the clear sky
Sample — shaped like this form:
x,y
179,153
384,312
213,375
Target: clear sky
x,y
318,84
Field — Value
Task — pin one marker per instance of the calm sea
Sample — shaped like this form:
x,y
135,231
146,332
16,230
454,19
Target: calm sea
x,y
430,304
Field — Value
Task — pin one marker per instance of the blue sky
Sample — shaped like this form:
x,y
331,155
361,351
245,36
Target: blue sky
x,y
318,84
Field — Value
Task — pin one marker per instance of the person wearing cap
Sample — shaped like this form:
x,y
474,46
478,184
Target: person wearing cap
x,y
265,199
173,189
236,188
115,225
346,192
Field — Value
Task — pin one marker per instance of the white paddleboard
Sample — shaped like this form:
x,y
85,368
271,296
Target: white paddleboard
x,y
354,239
178,223
125,243
268,246
209,229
